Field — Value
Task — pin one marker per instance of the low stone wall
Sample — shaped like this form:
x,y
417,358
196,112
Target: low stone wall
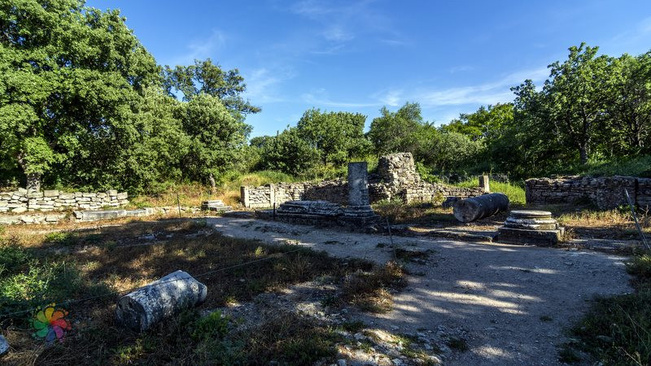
x,y
23,200
605,192
397,179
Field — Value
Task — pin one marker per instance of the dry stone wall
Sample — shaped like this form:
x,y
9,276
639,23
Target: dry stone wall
x,y
23,200
396,179
604,192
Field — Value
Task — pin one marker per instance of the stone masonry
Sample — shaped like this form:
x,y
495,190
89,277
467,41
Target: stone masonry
x,y
397,179
604,192
23,200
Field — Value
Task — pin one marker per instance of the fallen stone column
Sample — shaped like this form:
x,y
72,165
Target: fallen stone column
x,y
476,208
147,305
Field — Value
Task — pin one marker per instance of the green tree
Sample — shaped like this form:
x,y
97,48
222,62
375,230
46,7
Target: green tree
x,y
630,106
451,151
69,76
217,138
204,77
397,131
287,152
577,97
483,123
338,136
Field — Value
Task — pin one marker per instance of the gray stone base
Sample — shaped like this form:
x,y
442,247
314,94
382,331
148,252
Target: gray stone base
x,y
110,214
533,237
215,205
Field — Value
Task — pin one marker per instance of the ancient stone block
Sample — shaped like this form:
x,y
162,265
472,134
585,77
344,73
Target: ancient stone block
x,y
50,193
144,307
530,227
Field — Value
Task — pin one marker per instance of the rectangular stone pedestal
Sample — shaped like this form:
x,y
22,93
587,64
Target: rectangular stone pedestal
x,y
530,237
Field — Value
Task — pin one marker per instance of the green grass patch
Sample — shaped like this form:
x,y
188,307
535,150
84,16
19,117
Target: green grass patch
x,y
515,192
637,167
617,329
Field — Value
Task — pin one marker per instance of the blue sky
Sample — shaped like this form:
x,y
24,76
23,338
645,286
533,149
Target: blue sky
x,y
357,56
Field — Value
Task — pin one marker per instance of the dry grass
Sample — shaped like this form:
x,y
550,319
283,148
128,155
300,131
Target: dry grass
x,y
424,214
371,291
607,224
108,260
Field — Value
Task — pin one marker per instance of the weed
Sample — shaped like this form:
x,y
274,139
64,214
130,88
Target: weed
x,y
61,238
259,252
12,255
640,266
410,255
353,326
617,329
370,290
211,326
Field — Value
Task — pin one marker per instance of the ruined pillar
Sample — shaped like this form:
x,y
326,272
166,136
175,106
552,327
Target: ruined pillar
x,y
484,183
358,185
359,211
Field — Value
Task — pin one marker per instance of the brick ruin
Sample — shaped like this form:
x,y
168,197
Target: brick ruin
x,y
396,179
604,192
23,200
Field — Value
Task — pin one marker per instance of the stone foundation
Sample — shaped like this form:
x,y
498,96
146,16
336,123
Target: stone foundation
x,y
22,200
397,179
605,192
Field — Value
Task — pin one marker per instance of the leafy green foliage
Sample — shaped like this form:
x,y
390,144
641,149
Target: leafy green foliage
x,y
338,136
83,104
207,78
399,131
288,152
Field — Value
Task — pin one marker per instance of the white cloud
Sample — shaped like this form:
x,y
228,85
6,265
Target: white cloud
x,y
343,21
631,41
322,100
487,93
461,68
391,98
263,84
200,49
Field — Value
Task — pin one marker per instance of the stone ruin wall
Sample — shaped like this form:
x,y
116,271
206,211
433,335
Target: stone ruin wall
x,y
22,200
396,179
605,192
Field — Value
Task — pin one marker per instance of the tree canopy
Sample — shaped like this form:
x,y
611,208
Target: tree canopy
x,y
82,103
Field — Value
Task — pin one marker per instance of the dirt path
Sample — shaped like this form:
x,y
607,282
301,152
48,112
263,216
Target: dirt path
x,y
509,302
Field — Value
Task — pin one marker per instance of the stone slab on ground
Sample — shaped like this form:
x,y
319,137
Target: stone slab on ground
x,y
215,205
548,238
605,245
465,234
110,214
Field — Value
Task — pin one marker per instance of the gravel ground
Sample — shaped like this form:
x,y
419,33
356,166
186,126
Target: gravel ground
x,y
509,303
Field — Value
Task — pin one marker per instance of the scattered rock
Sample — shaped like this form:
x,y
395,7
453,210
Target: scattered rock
x,y
4,346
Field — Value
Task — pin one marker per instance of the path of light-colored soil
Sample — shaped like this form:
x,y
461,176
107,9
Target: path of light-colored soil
x,y
511,302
